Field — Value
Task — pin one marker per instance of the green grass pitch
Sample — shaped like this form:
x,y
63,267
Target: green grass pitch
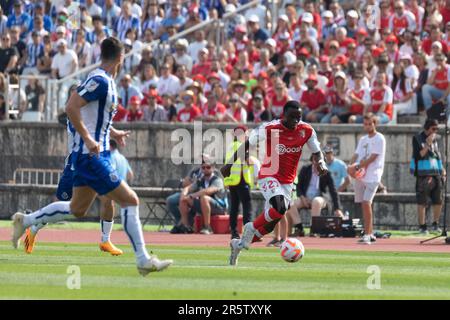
x,y
203,273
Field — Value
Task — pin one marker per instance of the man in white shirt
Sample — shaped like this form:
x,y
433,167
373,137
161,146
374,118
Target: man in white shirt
x,y
168,83
195,47
65,62
181,56
367,165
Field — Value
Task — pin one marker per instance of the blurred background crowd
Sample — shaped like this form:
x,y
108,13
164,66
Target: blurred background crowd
x,y
231,60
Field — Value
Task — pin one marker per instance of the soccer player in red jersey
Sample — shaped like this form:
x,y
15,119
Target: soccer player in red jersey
x,y
284,140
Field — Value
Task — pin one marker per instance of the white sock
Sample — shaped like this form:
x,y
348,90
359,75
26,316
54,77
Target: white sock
x,y
106,229
54,212
36,227
132,226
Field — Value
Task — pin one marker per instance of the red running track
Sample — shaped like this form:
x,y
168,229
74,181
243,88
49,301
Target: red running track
x,y
218,240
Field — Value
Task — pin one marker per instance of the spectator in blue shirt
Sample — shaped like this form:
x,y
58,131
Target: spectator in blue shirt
x,y
127,90
34,51
20,19
259,35
99,29
127,20
174,20
39,11
337,168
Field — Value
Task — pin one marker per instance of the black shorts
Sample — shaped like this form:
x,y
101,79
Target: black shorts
x,y
429,187
343,117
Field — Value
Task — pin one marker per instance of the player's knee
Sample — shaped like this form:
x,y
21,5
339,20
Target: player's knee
x,y
279,204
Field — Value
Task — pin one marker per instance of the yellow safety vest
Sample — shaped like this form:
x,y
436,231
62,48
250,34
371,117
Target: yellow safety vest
x,y
247,170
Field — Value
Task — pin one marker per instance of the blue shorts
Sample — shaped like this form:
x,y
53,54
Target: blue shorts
x,y
96,173
65,184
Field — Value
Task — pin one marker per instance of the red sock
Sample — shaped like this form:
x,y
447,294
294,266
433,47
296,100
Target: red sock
x,y
261,219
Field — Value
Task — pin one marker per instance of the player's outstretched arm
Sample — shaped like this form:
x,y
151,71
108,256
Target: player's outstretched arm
x,y
120,136
320,163
73,110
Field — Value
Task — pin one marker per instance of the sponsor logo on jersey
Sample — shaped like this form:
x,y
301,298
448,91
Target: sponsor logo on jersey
x,y
91,85
282,149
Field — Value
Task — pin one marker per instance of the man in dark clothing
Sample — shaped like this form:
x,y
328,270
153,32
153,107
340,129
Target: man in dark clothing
x,y
310,192
9,56
426,165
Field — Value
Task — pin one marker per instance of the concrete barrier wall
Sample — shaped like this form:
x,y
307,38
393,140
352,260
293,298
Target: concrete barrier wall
x,y
392,211
149,149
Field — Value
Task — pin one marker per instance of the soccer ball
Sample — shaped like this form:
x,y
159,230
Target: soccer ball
x,y
292,250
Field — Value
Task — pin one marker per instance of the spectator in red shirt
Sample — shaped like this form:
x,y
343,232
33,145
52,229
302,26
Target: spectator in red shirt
x,y
236,112
190,111
435,35
313,101
203,66
121,114
445,12
213,110
135,112
278,100
359,98
337,100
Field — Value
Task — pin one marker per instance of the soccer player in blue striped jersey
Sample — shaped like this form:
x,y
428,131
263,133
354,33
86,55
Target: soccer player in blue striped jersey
x,y
90,110
64,193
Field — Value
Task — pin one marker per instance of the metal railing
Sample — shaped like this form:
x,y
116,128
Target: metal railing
x,y
32,176
57,89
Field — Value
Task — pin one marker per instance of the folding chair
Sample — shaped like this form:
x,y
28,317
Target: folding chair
x,y
160,202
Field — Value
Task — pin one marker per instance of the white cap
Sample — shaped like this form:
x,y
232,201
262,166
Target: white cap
x,y
61,42
437,44
327,14
253,18
204,50
353,14
284,18
340,74
63,10
271,42
307,17
61,29
290,58
230,8
128,42
182,42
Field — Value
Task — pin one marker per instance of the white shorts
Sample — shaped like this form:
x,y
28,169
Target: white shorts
x,y
365,191
271,187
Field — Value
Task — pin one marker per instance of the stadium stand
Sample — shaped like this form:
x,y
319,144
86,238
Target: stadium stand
x,y
50,45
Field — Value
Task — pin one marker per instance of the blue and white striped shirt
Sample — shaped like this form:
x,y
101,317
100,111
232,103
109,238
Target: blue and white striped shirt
x,y
122,25
99,90
35,51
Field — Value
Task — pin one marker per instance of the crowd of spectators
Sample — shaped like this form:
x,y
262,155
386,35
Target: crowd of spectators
x,y
340,59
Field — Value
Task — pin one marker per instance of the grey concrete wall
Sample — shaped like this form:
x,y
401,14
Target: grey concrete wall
x,y
43,145
392,211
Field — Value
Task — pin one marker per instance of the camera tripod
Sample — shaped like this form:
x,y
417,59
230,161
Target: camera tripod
x,y
444,228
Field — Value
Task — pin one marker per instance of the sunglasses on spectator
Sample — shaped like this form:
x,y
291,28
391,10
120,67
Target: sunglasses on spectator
x,y
233,101
278,88
164,68
186,98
